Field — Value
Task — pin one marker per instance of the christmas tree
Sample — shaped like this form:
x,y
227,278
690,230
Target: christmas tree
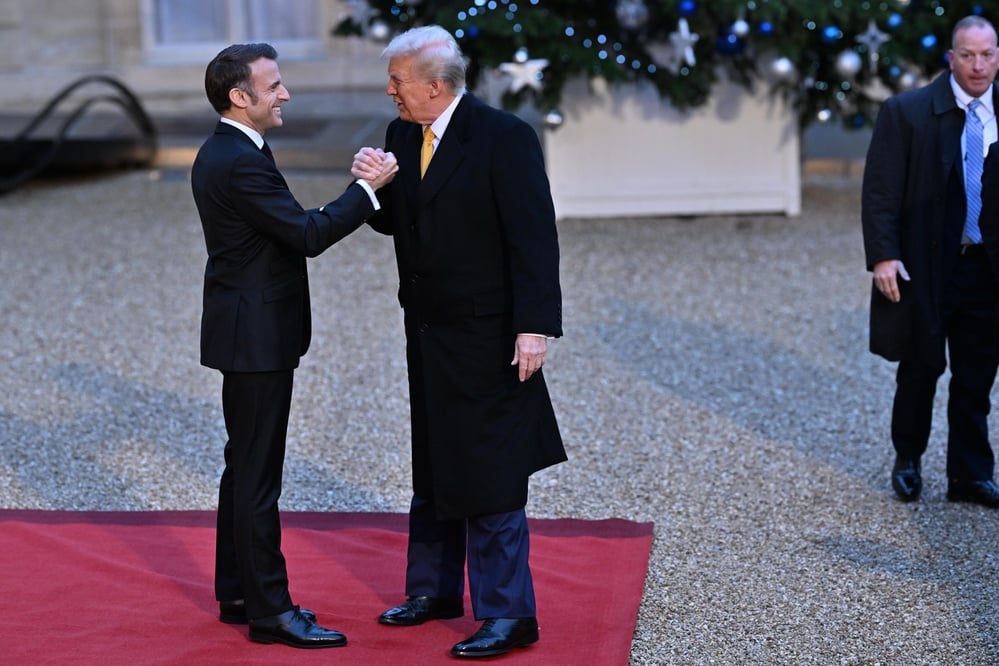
x,y
833,60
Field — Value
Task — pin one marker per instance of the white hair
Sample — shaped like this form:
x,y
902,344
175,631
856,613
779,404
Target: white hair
x,y
437,55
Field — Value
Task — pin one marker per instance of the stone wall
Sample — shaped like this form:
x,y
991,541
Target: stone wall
x,y
47,44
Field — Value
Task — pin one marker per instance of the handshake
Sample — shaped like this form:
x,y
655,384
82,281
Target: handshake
x,y
375,166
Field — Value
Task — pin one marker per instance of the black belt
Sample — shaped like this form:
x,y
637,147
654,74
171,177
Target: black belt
x,y
972,248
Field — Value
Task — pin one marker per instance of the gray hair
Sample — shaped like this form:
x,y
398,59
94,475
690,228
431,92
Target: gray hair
x,y
437,55
971,21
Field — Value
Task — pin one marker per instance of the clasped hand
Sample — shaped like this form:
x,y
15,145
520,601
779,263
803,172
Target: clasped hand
x,y
375,166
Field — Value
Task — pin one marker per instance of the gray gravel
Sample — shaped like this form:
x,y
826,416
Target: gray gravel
x,y
713,379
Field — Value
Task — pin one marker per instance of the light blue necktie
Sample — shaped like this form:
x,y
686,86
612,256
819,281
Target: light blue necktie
x,y
973,172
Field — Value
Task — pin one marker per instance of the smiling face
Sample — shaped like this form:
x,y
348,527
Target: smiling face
x,y
973,59
262,110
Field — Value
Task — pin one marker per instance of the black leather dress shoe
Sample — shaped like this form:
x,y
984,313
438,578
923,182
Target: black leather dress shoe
x,y
234,612
498,635
417,610
905,478
985,493
294,629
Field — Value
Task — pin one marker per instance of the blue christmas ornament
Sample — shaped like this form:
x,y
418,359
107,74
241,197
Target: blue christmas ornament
x,y
858,120
894,21
728,43
766,28
687,7
977,10
831,34
928,42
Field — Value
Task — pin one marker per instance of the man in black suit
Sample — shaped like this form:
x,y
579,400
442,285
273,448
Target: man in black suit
x,y
477,253
933,288
255,326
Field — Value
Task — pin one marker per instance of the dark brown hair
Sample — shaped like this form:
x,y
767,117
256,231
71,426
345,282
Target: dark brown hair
x,y
231,69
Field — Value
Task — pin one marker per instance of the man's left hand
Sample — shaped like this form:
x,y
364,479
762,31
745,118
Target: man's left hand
x,y
529,354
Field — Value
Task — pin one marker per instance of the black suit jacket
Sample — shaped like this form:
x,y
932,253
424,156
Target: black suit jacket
x,y
256,315
477,252
913,209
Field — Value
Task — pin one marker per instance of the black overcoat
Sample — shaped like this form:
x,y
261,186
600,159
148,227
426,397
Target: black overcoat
x,y
913,209
477,253
989,220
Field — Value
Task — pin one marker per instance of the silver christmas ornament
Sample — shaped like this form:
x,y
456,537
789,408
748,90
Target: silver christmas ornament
x,y
553,119
740,28
682,41
848,64
631,14
873,39
782,68
523,72
907,81
379,30
361,12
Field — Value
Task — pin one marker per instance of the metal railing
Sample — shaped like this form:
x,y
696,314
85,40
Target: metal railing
x,y
28,154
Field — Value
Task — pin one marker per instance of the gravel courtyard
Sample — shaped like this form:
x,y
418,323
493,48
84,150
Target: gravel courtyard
x,y
713,378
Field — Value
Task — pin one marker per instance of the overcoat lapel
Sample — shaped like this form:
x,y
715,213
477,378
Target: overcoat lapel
x,y
409,161
450,152
951,125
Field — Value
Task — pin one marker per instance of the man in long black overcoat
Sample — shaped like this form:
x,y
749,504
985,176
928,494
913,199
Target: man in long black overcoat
x,y
934,298
477,254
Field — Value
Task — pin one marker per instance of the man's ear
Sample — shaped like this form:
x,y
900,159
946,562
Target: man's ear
x,y
239,98
436,87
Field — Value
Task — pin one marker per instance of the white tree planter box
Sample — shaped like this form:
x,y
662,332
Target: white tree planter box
x,y
622,151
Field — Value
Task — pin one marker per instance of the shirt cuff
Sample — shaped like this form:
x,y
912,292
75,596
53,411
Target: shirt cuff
x,y
371,193
538,335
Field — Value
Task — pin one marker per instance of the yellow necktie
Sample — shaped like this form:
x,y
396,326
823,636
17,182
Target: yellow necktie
x,y
427,151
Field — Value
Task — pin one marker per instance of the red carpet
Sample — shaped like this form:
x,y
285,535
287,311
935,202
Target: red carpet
x,y
136,588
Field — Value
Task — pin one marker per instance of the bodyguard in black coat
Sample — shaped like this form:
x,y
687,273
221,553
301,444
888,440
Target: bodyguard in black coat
x,y
255,326
477,253
933,296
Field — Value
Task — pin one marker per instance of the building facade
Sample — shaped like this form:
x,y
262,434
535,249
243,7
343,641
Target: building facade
x,y
159,48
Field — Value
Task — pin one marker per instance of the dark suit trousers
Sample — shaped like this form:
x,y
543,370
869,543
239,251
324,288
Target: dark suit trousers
x,y
498,545
248,560
969,320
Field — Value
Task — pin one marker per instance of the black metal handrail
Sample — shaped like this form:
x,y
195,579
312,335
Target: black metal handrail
x,y
28,168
